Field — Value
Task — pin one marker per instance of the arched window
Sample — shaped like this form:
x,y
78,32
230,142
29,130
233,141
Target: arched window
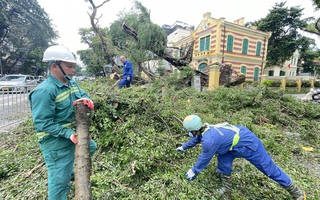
x,y
245,46
244,70
202,66
230,43
256,74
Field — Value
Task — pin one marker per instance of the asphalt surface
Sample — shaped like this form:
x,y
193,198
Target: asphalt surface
x,y
298,96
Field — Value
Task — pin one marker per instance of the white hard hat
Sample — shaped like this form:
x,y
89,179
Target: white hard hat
x,y
58,53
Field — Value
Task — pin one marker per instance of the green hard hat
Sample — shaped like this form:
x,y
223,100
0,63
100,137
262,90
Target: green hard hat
x,y
192,123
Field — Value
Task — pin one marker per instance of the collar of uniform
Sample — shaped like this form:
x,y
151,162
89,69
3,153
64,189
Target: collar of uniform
x,y
55,81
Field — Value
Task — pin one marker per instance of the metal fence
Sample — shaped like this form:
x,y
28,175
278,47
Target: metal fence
x,y
14,108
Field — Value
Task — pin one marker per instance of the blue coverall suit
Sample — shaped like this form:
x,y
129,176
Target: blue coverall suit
x,y
127,72
219,141
54,120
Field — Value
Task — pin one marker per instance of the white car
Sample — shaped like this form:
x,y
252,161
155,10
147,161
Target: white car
x,y
39,79
17,83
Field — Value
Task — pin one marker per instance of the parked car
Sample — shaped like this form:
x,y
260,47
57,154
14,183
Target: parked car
x,y
39,79
17,83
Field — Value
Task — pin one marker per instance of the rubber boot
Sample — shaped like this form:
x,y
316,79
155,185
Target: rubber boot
x,y
295,192
226,184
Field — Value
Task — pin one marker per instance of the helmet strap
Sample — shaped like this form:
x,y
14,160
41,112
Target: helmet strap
x,y
64,74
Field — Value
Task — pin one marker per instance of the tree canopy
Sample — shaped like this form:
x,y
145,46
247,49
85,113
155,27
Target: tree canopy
x,y
284,24
25,29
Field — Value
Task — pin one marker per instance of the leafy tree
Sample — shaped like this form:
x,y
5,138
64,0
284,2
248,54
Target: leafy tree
x,y
150,36
140,39
308,53
316,3
314,26
24,27
94,57
33,64
284,24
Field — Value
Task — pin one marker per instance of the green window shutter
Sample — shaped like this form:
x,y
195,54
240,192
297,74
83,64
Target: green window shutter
x,y
282,73
256,74
183,49
245,46
258,50
230,43
207,42
243,70
176,53
202,42
202,66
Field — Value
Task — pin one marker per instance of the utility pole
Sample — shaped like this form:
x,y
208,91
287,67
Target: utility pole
x,y
1,63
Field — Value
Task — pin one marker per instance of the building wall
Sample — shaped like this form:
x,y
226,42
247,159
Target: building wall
x,y
177,35
218,30
289,68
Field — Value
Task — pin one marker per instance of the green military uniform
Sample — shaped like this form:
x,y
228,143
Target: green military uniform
x,y
54,120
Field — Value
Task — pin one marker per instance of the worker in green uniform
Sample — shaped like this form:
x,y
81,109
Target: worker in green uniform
x,y
53,113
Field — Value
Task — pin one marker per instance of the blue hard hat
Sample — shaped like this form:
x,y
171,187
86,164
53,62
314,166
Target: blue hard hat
x,y
192,123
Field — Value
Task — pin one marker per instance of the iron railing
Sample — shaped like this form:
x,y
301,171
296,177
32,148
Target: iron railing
x,y
14,108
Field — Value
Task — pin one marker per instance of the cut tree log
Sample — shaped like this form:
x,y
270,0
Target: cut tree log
x,y
82,168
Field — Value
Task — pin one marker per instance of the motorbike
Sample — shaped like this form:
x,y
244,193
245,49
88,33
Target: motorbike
x,y
313,95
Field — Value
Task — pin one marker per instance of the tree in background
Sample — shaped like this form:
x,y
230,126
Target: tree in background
x,y
143,42
135,36
94,58
284,24
308,55
314,26
25,30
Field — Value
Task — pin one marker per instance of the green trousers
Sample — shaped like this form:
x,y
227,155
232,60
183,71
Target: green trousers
x,y
59,164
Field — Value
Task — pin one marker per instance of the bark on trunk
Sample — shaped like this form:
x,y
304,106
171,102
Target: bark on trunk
x,y
82,168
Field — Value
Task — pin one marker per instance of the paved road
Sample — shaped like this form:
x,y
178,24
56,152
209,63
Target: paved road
x,y
299,96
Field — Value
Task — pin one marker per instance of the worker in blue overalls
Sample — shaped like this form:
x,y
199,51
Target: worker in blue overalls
x,y
230,142
127,74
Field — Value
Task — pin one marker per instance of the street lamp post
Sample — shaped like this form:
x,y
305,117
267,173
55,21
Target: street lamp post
x,y
1,64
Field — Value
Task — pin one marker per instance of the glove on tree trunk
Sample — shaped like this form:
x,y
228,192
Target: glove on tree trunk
x,y
82,167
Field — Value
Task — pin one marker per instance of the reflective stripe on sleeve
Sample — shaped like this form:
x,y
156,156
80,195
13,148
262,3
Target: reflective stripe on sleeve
x,y
41,135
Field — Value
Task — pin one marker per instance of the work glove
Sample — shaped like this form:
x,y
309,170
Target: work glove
x,y
74,139
180,149
85,101
190,175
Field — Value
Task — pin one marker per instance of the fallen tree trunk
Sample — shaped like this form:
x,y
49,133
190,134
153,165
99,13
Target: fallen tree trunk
x,y
180,62
82,169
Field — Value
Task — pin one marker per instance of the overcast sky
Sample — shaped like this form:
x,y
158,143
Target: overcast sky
x,y
70,15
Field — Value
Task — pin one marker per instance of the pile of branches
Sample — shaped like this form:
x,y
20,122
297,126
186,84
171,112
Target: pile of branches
x,y
137,132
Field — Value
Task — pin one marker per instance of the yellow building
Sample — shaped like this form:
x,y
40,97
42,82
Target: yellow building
x,y
217,40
